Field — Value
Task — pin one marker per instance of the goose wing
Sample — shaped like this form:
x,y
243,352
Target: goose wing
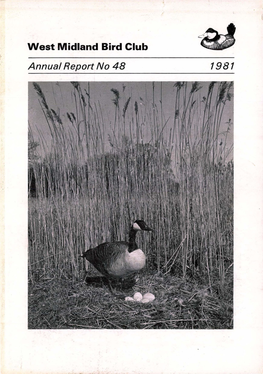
x,y
106,254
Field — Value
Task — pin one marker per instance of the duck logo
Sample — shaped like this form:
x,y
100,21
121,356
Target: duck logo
x,y
213,40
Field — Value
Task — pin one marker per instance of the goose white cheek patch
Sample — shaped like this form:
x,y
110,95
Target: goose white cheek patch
x,y
136,226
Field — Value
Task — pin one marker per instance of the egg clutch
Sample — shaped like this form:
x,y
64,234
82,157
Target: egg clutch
x,y
146,298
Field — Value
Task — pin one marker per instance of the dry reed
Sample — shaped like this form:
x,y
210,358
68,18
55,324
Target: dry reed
x,y
86,193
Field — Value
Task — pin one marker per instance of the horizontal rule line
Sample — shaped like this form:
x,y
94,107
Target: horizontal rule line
x,y
223,73
146,57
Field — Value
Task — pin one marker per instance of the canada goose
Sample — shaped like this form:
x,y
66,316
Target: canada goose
x,y
213,40
119,260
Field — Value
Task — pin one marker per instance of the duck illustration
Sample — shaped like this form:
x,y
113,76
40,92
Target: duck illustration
x,y
213,40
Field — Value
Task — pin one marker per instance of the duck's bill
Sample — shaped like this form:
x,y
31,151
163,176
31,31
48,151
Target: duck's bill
x,y
203,35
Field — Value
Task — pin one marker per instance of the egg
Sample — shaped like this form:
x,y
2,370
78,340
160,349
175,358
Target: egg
x,y
148,297
144,301
137,296
128,298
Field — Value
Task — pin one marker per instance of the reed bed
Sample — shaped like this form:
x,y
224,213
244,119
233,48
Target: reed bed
x,y
88,182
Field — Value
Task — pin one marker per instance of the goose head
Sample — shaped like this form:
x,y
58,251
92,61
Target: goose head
x,y
140,225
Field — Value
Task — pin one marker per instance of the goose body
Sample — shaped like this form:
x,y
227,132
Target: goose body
x,y
213,40
116,260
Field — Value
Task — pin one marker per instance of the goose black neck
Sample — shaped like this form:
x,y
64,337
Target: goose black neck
x,y
132,243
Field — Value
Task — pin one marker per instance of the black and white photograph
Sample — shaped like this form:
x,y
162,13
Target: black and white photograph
x,y
130,205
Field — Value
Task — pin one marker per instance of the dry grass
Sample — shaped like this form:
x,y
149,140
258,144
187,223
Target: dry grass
x,y
179,304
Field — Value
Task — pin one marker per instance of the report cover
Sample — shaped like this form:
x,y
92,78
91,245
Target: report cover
x,y
132,187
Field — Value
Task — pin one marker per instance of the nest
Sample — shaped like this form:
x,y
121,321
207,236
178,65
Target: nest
x,y
178,304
